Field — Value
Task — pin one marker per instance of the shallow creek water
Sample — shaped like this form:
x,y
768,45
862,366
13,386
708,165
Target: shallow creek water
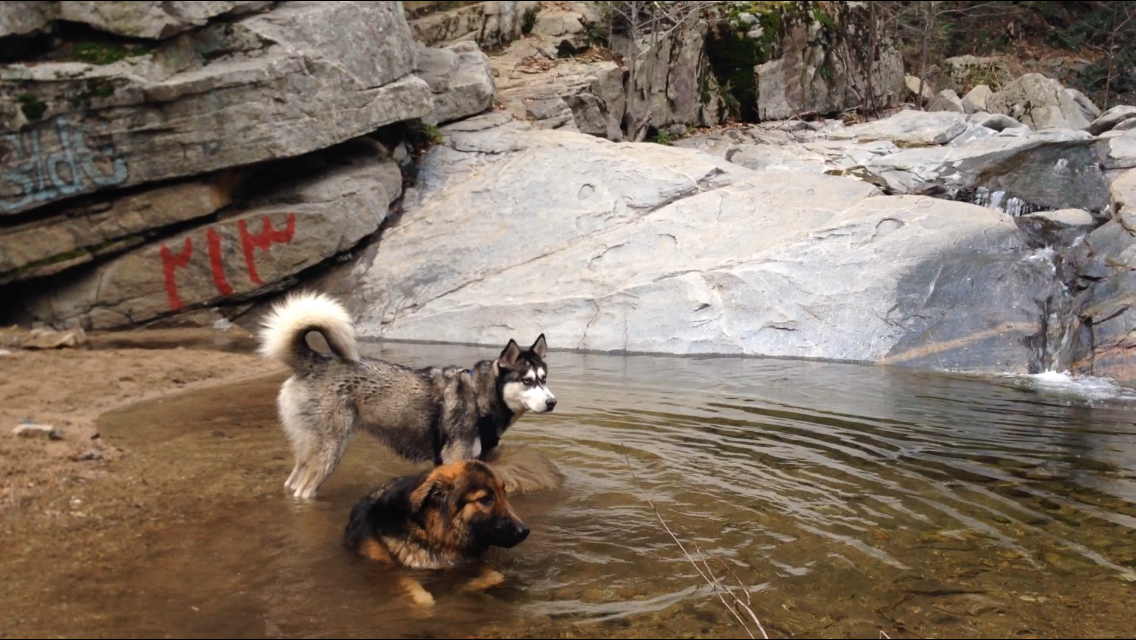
x,y
849,500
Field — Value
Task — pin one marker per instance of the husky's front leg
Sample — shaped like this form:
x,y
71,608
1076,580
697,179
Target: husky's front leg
x,y
459,450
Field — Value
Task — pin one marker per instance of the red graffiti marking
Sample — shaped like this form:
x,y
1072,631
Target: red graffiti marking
x,y
268,236
170,263
263,241
215,263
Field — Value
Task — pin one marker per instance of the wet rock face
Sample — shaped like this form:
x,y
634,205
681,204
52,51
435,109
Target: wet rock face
x,y
1104,330
648,248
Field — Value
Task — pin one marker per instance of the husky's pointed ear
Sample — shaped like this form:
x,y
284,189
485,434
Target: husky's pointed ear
x,y
540,347
510,354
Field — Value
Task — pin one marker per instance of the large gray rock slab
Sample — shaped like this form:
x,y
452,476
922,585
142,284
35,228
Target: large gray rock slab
x,y
647,248
1052,169
254,252
81,234
297,79
908,128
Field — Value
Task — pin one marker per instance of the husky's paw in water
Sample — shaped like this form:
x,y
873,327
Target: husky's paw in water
x,y
438,519
431,414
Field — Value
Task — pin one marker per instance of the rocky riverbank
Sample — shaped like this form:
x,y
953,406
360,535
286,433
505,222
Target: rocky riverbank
x,y
183,164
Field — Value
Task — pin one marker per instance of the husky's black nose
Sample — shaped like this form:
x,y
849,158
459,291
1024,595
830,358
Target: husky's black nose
x,y
522,532
551,404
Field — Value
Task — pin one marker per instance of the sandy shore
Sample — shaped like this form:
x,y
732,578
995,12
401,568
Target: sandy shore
x,y
69,388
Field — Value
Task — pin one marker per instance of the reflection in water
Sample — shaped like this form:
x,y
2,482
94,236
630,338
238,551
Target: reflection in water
x,y
848,499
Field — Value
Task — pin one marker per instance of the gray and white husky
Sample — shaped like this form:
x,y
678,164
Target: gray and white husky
x,y
439,414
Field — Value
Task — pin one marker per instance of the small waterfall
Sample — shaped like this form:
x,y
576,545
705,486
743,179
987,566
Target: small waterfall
x,y
1055,345
997,200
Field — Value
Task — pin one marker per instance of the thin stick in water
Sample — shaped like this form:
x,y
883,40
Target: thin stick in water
x,y
716,586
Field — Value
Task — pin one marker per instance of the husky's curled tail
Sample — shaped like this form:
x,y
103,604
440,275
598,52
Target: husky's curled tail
x,y
285,329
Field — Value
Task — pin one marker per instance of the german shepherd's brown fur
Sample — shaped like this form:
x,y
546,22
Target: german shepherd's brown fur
x,y
438,519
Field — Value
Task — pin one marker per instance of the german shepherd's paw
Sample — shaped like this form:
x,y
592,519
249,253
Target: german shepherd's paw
x,y
487,580
416,592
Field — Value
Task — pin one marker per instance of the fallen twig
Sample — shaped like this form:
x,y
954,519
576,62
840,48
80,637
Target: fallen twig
x,y
708,574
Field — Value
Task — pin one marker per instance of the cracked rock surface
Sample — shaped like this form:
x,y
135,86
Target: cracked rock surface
x,y
649,248
300,78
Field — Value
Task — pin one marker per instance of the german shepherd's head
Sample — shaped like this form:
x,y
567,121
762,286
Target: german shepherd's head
x,y
523,381
463,506
442,517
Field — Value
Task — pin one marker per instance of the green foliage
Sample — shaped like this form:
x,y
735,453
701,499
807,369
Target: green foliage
x,y
432,133
99,53
32,107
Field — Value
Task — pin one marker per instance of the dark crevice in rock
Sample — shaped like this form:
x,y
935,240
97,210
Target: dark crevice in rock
x,y
72,42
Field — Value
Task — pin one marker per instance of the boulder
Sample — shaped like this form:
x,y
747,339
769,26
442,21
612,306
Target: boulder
x,y
964,72
997,122
649,248
948,100
80,234
668,83
490,24
151,20
912,83
460,78
811,70
975,99
1105,336
562,94
1040,102
1088,109
1122,195
562,27
1059,228
1111,118
23,17
300,78
257,251
1118,152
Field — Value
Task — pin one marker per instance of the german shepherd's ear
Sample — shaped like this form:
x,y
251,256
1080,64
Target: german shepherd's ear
x,y
431,488
508,357
540,347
